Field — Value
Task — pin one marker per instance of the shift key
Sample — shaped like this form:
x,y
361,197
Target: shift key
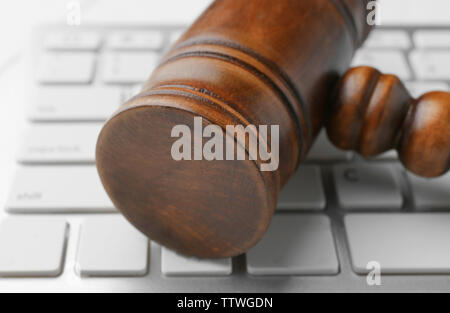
x,y
58,189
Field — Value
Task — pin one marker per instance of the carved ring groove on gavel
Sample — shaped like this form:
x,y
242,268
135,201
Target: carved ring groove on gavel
x,y
259,62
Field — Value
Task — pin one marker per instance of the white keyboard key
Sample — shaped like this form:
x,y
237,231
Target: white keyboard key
x,y
173,264
131,91
295,244
304,191
324,150
32,246
128,67
431,65
61,103
430,193
388,39
388,62
60,143
76,40
174,36
136,40
400,243
432,38
417,89
367,186
66,68
111,246
46,189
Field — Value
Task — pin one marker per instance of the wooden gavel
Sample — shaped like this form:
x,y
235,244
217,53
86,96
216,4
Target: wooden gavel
x,y
257,62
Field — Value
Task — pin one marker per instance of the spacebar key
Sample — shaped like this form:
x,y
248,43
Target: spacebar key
x,y
400,243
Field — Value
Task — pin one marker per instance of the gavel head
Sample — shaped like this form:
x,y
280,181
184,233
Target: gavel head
x,y
177,194
197,159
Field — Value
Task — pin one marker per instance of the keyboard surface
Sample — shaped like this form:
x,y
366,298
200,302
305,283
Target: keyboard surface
x,y
337,216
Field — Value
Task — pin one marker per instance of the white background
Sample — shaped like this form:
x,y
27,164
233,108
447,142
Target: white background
x,y
17,18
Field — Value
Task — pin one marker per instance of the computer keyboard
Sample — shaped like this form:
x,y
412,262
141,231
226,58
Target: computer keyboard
x,y
60,232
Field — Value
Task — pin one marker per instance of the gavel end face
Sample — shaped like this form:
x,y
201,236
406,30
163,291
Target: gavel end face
x,y
207,209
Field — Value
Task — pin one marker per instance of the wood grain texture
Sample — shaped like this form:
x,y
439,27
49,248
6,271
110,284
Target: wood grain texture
x,y
259,62
374,113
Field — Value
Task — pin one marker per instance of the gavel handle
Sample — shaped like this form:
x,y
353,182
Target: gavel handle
x,y
373,112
